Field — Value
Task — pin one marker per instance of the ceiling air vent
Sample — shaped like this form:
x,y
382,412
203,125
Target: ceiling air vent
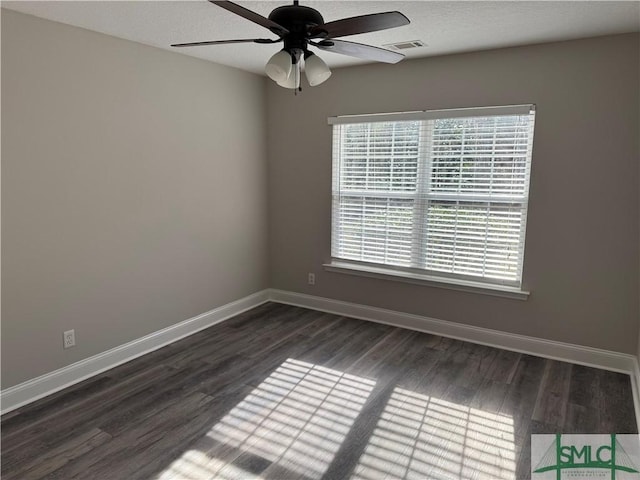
x,y
405,45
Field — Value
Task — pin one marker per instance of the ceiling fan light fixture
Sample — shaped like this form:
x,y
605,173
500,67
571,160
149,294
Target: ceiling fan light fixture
x,y
293,80
315,69
279,66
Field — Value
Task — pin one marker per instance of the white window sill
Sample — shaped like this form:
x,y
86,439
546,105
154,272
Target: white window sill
x,y
428,280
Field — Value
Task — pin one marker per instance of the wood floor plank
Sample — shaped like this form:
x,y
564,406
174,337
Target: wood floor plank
x,y
57,428
504,367
580,419
616,411
55,458
386,353
490,396
585,381
478,365
523,392
551,402
282,392
148,402
53,405
140,442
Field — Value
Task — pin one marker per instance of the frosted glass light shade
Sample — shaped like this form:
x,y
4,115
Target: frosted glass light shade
x,y
278,67
316,70
293,80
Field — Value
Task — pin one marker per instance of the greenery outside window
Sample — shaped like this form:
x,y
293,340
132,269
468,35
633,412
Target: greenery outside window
x,y
438,193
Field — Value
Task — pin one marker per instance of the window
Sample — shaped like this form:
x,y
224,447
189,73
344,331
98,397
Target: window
x,y
436,193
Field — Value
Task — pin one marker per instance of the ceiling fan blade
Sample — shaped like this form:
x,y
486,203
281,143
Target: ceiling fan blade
x,y
360,24
359,50
252,16
222,42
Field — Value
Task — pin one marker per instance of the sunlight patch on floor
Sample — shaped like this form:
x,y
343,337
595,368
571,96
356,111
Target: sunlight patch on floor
x,y
420,437
292,424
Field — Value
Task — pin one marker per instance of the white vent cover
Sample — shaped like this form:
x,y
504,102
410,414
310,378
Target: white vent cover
x,y
405,45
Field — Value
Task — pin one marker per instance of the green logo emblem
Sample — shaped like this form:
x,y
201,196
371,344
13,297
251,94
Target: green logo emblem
x,y
585,456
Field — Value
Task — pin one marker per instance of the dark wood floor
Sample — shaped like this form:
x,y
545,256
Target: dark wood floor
x,y
282,392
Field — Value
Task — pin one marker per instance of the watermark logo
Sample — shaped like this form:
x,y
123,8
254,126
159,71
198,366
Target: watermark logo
x,y
576,457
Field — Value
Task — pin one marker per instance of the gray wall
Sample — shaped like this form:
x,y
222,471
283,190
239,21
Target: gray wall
x,y
133,191
581,261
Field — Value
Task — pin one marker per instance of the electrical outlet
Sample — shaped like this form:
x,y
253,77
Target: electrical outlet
x,y
312,279
69,339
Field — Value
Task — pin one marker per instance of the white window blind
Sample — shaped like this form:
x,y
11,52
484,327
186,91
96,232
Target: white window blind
x,y
440,192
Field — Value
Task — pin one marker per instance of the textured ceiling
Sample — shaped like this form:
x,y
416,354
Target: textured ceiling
x,y
445,27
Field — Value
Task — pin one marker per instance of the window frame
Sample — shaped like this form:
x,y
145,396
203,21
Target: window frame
x,y
422,196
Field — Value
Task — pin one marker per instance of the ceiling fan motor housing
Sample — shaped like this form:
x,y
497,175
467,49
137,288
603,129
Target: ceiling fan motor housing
x,y
298,20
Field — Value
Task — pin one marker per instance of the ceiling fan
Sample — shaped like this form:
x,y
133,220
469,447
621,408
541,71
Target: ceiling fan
x,y
300,27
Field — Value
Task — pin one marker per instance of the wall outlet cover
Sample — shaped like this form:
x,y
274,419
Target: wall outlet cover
x,y
69,338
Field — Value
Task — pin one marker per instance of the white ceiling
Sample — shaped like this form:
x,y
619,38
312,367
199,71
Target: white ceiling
x,y
446,27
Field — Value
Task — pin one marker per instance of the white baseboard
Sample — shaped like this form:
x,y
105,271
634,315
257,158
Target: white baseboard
x,y
592,357
32,390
